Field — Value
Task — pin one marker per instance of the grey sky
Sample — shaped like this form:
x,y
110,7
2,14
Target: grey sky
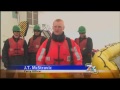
x,y
102,27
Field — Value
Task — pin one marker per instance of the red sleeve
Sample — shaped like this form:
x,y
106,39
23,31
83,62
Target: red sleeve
x,y
77,56
40,57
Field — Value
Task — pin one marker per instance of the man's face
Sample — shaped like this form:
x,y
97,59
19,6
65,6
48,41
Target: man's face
x,y
36,32
82,35
16,34
58,27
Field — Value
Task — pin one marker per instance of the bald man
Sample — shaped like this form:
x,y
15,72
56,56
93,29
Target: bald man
x,y
59,49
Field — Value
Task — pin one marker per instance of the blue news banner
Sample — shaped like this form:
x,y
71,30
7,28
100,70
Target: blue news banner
x,y
47,67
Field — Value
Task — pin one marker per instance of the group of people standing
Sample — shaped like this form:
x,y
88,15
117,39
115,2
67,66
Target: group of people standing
x,y
57,50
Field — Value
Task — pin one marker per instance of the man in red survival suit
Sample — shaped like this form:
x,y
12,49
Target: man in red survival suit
x,y
59,49
85,44
14,51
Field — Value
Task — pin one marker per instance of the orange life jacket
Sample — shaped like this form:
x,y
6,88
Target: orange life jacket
x,y
16,48
81,44
34,44
62,55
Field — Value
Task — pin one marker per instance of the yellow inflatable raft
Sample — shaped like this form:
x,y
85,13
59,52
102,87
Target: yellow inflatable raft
x,y
103,60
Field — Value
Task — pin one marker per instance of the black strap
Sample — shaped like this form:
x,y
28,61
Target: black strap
x,y
70,49
69,44
47,46
41,41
